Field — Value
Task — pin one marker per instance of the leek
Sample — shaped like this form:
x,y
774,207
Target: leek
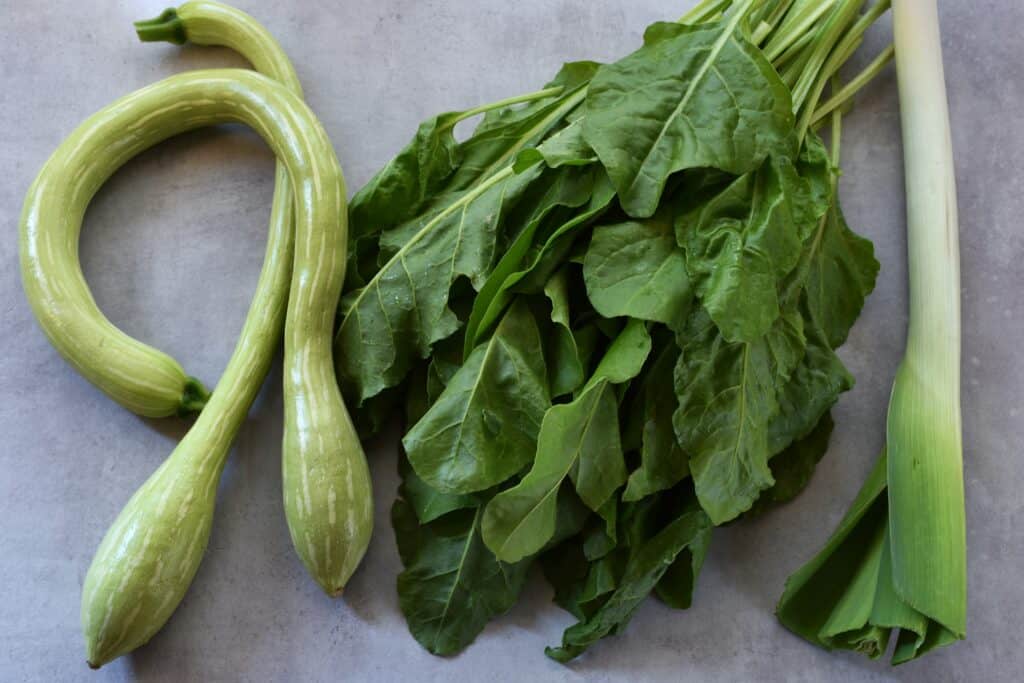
x,y
898,561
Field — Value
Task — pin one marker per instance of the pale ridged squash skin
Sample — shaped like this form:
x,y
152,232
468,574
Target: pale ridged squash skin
x,y
327,487
139,377
136,375
151,553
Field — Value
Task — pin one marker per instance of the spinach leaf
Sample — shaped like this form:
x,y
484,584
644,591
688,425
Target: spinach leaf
x,y
398,192
675,588
625,356
433,168
483,427
841,272
560,189
727,399
507,277
428,503
571,76
718,103
813,388
566,364
403,310
647,563
578,441
452,585
567,147
636,269
663,463
504,133
604,536
793,467
742,243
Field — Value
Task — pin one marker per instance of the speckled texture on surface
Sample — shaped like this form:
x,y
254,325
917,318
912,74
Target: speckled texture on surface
x,y
172,247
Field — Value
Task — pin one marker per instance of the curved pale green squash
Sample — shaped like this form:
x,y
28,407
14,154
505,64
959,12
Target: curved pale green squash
x,y
152,551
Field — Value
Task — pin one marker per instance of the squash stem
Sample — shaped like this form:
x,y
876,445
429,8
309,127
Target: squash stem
x,y
167,27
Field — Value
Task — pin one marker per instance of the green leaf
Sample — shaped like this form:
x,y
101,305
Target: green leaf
x,y
636,269
444,363
433,169
407,530
483,427
570,76
841,273
742,243
376,413
578,440
525,267
846,597
793,467
813,388
676,586
566,369
399,191
504,133
428,503
452,585
565,568
556,197
403,310
604,536
718,104
567,147
625,356
647,564
727,400
663,463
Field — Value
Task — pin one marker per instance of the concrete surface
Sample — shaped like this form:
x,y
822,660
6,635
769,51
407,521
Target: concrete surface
x,y
172,247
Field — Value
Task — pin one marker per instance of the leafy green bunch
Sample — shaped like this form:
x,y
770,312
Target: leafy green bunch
x,y
611,316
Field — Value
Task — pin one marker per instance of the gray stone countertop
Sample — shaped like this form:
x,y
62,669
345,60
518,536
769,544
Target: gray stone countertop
x,y
172,246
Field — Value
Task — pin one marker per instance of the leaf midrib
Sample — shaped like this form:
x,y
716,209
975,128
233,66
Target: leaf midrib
x,y
458,576
716,50
561,478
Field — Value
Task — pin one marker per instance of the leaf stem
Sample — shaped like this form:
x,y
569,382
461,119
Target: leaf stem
x,y
509,101
837,128
850,89
832,33
703,11
781,42
846,46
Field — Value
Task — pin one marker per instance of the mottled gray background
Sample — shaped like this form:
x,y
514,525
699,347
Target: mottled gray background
x,y
172,247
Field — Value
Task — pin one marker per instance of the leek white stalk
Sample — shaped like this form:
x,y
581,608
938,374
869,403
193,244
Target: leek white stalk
x,y
898,561
925,471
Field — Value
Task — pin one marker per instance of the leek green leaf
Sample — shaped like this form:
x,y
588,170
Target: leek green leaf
x,y
846,597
